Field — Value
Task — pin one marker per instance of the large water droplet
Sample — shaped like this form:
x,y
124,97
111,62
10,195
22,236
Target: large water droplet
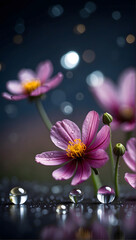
x,y
105,194
61,209
76,195
18,195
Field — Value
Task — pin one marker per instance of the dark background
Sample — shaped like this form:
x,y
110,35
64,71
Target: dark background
x,y
31,33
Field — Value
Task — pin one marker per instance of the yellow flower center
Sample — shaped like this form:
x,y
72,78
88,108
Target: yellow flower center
x,y
83,234
126,113
76,149
32,85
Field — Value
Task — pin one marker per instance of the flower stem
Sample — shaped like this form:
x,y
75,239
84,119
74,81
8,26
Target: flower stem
x,y
43,114
116,177
96,182
111,153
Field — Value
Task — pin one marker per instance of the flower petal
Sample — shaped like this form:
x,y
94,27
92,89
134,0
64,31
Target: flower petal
x,y
14,87
65,172
38,91
13,97
54,82
97,159
127,88
90,127
83,172
26,75
128,126
44,71
52,158
130,155
63,132
130,161
102,139
131,179
106,95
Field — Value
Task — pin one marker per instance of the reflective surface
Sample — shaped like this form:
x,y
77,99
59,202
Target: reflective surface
x,y
49,214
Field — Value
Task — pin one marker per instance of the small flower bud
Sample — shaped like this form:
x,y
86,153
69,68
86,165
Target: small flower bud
x,y
119,149
107,118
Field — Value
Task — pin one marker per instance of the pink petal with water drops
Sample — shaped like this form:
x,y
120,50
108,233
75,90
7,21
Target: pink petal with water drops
x,y
90,127
44,71
102,139
127,88
65,172
63,132
97,158
52,158
83,172
26,75
14,87
131,179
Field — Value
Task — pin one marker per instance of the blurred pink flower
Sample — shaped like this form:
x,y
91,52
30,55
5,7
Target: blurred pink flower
x,y
81,153
119,102
32,84
130,159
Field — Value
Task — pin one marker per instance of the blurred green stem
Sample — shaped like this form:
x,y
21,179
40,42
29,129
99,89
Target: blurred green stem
x,y
128,135
111,154
116,178
43,114
96,182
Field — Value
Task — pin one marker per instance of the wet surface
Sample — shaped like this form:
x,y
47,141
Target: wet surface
x,y
49,214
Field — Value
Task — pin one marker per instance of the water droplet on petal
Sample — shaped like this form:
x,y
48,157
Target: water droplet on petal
x,y
61,209
18,195
76,195
106,194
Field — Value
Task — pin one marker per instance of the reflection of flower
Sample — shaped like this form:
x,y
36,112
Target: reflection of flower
x,y
32,84
130,159
75,228
79,155
120,103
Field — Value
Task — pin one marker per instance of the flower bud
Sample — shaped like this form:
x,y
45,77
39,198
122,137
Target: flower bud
x,y
119,149
107,118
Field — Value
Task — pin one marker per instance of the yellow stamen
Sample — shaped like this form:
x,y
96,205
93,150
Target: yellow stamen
x,y
126,113
31,85
76,149
83,234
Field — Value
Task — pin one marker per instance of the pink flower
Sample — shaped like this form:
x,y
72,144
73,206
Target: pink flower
x,y
32,84
119,102
80,153
130,159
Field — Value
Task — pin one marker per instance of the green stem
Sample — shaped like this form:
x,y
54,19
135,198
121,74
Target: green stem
x,y
111,153
43,114
116,178
96,182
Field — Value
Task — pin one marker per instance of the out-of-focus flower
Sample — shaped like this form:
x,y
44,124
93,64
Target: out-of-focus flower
x,y
130,159
119,102
81,153
32,84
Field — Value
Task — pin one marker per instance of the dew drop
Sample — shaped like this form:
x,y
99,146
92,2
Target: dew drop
x,y
61,209
76,195
106,194
18,195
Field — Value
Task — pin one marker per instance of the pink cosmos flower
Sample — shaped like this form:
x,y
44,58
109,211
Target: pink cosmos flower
x,y
119,102
80,153
130,159
32,84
